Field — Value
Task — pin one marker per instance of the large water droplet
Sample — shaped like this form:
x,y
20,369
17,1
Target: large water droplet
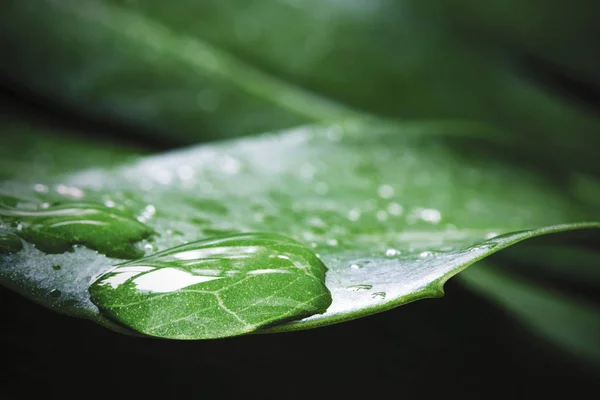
x,y
57,228
217,287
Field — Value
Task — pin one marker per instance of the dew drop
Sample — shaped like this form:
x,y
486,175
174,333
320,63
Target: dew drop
x,y
55,293
395,209
69,191
359,288
354,214
356,266
381,215
332,242
56,267
391,252
40,188
424,254
385,191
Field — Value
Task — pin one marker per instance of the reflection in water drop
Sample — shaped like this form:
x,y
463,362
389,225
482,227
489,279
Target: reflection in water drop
x,y
359,288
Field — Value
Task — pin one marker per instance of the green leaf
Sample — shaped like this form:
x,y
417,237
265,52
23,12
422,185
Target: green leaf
x,y
210,69
392,211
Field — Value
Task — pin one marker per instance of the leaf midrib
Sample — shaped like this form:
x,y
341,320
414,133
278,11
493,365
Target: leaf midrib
x,y
148,34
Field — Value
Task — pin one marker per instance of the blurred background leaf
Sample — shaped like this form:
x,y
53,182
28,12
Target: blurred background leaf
x,y
194,70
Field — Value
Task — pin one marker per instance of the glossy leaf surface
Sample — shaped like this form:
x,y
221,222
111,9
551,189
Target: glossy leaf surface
x,y
391,210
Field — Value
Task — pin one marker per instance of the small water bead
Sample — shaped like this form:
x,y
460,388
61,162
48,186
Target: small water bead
x,y
378,295
429,215
381,215
69,191
147,213
56,267
40,188
392,252
424,254
395,209
55,293
354,214
230,165
385,191
149,247
359,288
332,242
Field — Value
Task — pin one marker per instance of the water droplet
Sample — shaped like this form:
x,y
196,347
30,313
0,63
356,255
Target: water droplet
x,y
308,171
55,293
381,215
149,247
240,282
391,252
230,165
357,266
395,209
359,288
38,187
69,191
354,214
56,267
424,254
147,213
428,215
109,203
332,242
483,247
57,228
385,191
378,295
